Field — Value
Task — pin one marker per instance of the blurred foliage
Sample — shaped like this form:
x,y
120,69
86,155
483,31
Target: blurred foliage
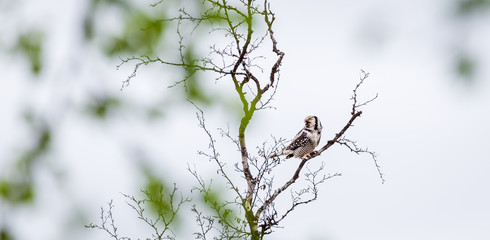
x,y
5,235
159,195
161,199
224,212
30,44
154,113
19,188
42,146
16,192
142,34
193,85
465,67
42,134
466,7
215,16
90,21
101,107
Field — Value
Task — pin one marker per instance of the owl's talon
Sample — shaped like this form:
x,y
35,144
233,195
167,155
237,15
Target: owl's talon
x,y
309,155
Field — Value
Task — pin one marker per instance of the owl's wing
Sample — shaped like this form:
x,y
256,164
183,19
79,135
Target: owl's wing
x,y
300,140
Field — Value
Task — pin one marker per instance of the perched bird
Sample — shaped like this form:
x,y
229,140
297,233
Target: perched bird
x,y
305,141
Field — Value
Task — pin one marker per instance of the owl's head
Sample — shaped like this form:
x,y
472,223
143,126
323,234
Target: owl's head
x,y
313,123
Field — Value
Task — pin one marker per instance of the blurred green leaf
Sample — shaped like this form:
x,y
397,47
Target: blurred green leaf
x,y
195,92
30,44
154,113
44,139
88,26
28,157
158,194
211,197
102,5
5,235
142,34
101,107
28,116
216,16
470,6
17,192
465,67
19,189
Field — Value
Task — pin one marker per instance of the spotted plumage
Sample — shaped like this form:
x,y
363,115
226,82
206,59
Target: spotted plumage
x,y
305,141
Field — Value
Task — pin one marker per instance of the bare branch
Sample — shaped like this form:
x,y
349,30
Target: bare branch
x,y
107,223
238,64
312,178
145,60
231,228
353,147
363,76
205,224
156,3
214,153
354,114
166,207
275,69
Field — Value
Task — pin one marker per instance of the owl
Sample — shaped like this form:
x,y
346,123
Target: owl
x,y
305,141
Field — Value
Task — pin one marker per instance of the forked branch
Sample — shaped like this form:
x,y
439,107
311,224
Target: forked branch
x,y
355,113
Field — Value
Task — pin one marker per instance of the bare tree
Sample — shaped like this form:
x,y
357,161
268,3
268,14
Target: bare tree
x,y
248,25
